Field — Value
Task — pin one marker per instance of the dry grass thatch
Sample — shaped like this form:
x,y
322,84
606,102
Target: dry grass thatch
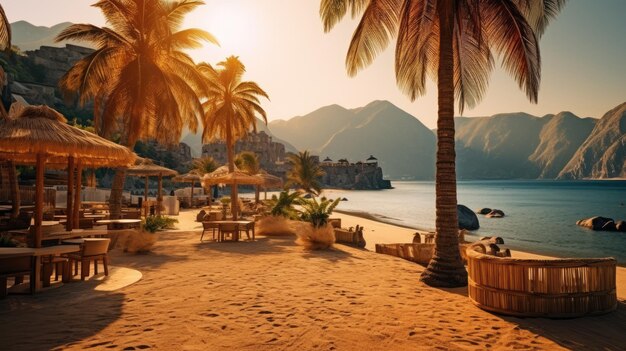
x,y
145,167
270,181
275,226
223,176
43,130
190,177
315,238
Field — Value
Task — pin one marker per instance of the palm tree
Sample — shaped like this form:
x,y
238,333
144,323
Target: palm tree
x,y
230,108
5,30
204,165
142,83
248,162
450,42
305,173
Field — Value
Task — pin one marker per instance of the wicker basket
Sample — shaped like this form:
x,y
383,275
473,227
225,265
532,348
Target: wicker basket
x,y
559,288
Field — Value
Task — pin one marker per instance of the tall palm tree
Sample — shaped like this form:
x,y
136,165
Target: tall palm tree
x,y
249,163
142,83
305,173
230,108
451,42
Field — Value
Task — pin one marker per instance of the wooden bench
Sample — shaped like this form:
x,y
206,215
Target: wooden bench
x,y
554,288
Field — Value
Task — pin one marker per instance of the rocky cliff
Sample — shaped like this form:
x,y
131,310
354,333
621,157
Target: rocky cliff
x,y
603,154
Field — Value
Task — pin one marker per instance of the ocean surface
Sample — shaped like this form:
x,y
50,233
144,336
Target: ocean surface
x,y
540,215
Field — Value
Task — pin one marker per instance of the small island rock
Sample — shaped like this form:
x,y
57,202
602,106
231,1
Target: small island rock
x,y
467,218
620,226
484,211
495,214
594,223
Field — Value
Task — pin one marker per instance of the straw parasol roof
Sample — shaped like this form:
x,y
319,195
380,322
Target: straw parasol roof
x,y
190,177
236,177
270,181
145,167
43,130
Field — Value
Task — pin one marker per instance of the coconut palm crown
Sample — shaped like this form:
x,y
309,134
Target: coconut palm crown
x,y
452,42
141,81
305,173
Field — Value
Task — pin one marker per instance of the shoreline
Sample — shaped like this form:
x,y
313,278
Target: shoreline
x,y
400,230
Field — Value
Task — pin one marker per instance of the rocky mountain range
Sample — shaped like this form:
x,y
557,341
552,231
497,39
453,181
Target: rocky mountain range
x,y
27,36
502,146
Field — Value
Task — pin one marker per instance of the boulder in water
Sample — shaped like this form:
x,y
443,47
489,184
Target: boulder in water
x,y
609,227
484,211
467,218
594,223
495,214
620,226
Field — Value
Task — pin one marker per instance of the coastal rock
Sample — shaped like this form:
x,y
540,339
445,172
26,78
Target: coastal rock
x,y
484,211
467,218
495,214
620,226
594,223
609,227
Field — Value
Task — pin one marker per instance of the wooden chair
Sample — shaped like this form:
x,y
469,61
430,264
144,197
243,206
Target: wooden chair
x,y
17,268
208,225
91,250
228,228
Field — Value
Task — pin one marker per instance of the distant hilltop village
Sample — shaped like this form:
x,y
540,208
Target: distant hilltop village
x,y
341,174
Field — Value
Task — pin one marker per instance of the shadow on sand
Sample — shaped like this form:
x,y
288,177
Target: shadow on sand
x,y
57,318
605,332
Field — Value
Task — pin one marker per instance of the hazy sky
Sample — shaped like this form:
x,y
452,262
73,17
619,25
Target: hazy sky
x,y
285,50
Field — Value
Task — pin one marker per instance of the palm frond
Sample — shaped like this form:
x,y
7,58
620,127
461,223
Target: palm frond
x,y
378,25
5,30
511,36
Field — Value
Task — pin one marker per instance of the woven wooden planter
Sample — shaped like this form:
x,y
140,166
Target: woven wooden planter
x,y
415,252
559,288
352,238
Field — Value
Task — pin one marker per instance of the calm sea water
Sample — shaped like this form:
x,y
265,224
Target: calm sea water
x,y
540,215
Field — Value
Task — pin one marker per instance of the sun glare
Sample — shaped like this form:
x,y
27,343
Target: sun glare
x,y
233,24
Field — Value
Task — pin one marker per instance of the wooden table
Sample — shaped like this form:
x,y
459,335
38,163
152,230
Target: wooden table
x,y
241,225
37,254
116,224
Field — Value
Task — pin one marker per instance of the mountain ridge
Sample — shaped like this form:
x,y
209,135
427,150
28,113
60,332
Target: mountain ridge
x,y
502,146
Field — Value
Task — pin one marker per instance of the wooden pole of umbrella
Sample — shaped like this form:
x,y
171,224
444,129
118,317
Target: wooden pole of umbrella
x,y
70,193
41,164
77,202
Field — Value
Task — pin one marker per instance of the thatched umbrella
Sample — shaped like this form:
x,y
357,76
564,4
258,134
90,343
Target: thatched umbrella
x,y
40,134
222,176
270,181
191,177
145,167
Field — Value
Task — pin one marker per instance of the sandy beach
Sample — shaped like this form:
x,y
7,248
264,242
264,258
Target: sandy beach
x,y
271,295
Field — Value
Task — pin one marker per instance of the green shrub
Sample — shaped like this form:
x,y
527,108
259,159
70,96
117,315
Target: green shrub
x,y
317,213
283,205
154,223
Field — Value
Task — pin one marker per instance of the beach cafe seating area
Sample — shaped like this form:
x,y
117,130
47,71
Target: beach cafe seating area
x,y
217,221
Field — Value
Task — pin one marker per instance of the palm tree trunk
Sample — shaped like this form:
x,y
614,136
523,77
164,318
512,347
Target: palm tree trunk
x,y
117,187
257,194
446,267
15,190
230,145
